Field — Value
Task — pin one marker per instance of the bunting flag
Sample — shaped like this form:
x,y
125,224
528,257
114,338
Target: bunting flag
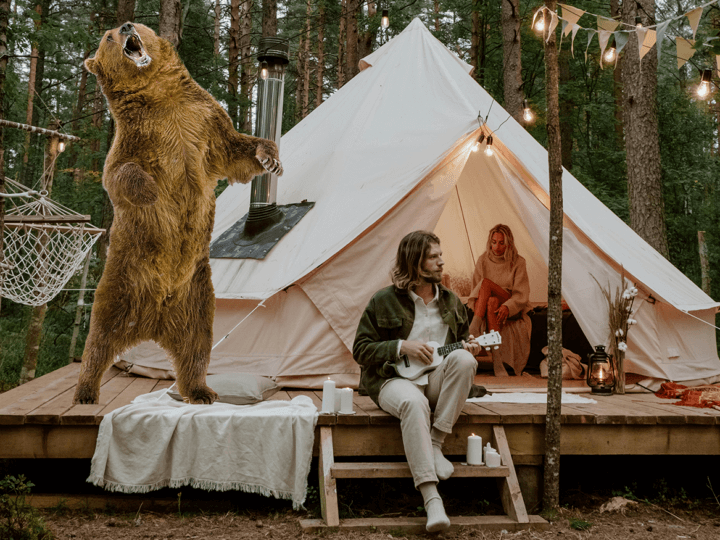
x,y
648,42
603,37
603,23
621,39
694,19
591,34
572,16
553,24
685,50
641,32
575,29
660,35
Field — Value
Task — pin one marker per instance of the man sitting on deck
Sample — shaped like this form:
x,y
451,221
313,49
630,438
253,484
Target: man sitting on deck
x,y
397,324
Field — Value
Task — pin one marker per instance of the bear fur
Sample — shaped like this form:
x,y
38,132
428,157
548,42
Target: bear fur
x,y
172,143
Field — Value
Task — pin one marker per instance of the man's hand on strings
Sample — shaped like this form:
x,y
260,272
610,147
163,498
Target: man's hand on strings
x,y
417,351
472,346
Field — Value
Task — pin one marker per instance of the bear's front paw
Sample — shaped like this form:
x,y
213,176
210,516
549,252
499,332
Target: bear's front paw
x,y
139,188
267,154
202,395
86,395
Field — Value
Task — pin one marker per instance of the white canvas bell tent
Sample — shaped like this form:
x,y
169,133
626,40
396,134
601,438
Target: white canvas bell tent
x,y
390,153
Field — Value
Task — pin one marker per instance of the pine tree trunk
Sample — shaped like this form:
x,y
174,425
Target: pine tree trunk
x,y
269,19
80,307
617,83
233,60
300,78
126,11
475,39
642,142
4,18
216,28
367,38
34,54
306,61
247,67
551,491
342,38
320,71
567,109
512,63
170,21
351,27
34,333
436,11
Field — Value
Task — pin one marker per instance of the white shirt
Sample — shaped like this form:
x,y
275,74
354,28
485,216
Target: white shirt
x,y
428,325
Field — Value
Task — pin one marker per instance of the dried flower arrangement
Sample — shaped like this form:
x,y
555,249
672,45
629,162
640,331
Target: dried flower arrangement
x,y
620,312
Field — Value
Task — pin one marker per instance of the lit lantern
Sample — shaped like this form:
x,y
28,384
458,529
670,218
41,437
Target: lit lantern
x,y
703,89
600,376
385,21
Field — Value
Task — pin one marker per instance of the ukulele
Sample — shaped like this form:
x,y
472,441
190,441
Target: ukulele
x,y
412,369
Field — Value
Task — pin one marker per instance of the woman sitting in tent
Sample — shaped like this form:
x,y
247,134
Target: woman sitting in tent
x,y
499,299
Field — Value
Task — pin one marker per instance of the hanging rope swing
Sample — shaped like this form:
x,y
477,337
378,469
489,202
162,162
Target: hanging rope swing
x,y
44,244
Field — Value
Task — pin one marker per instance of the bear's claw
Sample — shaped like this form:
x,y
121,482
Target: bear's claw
x,y
272,165
201,396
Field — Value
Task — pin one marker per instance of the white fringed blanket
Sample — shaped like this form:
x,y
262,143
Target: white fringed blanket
x,y
528,397
158,442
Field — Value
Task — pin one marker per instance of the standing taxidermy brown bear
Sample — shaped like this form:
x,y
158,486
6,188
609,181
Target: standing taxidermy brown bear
x,y
173,142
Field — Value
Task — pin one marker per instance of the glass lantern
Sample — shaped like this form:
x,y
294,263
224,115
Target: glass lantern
x,y
600,374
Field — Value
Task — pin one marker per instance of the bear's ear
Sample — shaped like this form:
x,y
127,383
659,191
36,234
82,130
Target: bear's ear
x,y
90,65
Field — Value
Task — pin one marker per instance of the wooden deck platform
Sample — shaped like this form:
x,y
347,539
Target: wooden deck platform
x,y
38,420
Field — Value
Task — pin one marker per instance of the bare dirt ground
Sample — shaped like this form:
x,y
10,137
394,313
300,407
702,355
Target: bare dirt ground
x,y
646,522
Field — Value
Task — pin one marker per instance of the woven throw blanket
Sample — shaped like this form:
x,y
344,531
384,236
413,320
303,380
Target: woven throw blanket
x,y
705,396
158,442
528,397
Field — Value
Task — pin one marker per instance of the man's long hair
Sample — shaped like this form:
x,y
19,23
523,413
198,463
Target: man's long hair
x,y
511,253
407,272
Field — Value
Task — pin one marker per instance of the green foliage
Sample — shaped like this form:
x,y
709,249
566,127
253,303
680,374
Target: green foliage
x,y
19,520
580,524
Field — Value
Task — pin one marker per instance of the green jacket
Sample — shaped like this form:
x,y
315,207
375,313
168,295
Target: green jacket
x,y
388,318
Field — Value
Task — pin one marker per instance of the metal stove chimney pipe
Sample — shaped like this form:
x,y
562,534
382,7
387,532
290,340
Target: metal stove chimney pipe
x,y
273,57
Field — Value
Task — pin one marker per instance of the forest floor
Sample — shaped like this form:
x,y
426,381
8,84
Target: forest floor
x,y
665,498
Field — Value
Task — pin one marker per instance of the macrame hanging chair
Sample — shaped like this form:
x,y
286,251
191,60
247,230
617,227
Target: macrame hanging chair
x,y
44,244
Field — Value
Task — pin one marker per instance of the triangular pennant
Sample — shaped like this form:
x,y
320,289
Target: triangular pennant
x,y
660,35
553,25
685,50
640,32
603,37
571,15
575,29
603,23
591,34
648,42
621,39
694,18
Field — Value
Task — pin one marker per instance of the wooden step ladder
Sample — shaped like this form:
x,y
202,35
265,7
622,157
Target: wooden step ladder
x,y
516,517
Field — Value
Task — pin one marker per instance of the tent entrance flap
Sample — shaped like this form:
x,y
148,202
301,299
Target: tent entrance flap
x,y
238,242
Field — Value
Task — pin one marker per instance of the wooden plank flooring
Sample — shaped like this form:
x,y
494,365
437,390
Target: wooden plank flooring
x,y
39,411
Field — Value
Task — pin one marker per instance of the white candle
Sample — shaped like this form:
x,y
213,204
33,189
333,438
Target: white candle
x,y
487,449
474,450
346,400
328,402
338,397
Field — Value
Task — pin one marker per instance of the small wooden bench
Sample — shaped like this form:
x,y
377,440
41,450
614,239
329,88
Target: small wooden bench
x,y
329,471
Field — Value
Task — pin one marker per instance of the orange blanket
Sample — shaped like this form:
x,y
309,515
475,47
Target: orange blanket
x,y
706,396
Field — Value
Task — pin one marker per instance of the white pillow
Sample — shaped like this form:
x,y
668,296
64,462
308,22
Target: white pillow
x,y
236,388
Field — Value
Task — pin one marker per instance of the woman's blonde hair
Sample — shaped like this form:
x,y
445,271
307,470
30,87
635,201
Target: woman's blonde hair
x,y
411,252
510,249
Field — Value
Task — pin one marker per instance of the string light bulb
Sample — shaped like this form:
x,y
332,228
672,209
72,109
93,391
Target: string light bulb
x,y
476,146
703,89
609,55
385,21
264,71
540,23
527,112
61,146
489,149
638,22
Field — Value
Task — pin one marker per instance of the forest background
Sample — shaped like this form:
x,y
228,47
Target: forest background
x,y
45,85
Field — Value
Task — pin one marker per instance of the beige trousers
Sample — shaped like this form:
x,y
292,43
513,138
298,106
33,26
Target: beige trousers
x,y
445,394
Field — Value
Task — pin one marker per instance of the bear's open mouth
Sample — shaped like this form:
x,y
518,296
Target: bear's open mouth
x,y
135,51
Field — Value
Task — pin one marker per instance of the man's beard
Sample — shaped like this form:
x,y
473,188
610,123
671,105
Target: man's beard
x,y
432,277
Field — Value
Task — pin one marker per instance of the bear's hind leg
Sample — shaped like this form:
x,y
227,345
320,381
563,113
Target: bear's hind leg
x,y
187,336
110,334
